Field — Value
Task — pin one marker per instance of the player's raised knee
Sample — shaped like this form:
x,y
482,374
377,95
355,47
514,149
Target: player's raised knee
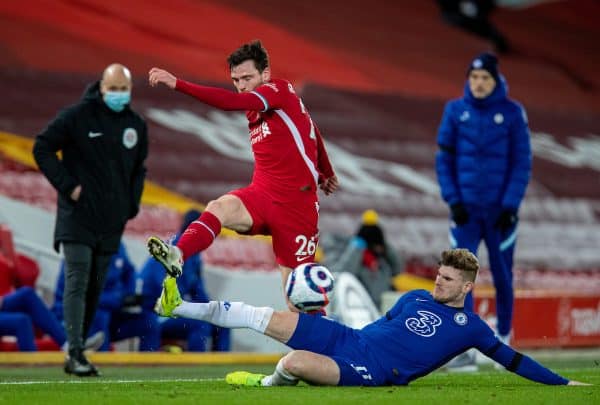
x,y
293,362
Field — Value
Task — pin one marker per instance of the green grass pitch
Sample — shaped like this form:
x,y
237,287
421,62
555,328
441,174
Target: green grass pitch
x,y
168,385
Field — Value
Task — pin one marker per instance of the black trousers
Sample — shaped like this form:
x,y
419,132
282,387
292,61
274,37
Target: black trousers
x,y
85,273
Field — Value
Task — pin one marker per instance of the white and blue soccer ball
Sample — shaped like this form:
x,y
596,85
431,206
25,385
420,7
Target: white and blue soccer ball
x,y
308,287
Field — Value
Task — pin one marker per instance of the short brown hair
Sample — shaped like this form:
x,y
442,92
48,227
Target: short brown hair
x,y
252,51
461,259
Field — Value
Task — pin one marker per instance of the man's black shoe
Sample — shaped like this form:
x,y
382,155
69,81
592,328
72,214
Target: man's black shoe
x,y
78,365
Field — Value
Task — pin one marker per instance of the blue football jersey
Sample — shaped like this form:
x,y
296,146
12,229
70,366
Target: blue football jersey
x,y
415,337
419,335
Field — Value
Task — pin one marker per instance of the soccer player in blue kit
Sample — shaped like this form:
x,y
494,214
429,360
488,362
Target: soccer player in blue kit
x,y
419,334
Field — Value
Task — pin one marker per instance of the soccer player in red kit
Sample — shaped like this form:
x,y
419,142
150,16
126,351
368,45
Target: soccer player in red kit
x,y
290,164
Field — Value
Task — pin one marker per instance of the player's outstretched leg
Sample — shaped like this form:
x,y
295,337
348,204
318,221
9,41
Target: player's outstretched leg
x,y
244,378
169,298
167,255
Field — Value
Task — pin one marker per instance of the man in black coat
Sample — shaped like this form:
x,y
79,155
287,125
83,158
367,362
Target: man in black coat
x,y
99,181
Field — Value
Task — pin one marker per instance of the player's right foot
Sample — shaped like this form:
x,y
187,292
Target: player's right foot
x,y
169,298
244,378
167,255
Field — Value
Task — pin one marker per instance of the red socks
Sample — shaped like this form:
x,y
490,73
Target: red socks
x,y
199,234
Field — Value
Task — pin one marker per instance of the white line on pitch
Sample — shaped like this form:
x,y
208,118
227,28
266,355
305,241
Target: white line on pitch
x,y
101,381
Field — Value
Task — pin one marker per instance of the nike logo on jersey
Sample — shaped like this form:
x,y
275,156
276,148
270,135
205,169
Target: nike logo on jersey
x,y
94,134
301,259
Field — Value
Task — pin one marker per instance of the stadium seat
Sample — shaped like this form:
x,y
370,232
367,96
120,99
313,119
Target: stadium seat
x,y
7,248
27,271
18,270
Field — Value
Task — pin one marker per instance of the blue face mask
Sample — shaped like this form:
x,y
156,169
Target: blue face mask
x,y
117,100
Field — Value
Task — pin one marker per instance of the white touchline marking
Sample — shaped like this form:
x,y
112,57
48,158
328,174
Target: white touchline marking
x,y
96,380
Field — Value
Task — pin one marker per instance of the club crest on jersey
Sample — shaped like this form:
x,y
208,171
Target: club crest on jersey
x,y
130,138
425,325
259,133
460,318
498,118
265,129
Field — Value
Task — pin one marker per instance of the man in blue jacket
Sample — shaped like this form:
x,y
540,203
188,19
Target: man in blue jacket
x,y
483,167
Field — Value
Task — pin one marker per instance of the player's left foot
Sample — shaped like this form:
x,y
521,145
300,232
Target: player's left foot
x,y
169,298
244,378
167,255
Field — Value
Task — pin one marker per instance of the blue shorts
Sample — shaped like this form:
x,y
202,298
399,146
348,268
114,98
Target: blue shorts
x,y
321,335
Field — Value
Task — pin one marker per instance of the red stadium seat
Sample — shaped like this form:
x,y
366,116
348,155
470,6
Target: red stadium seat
x,y
27,271
7,248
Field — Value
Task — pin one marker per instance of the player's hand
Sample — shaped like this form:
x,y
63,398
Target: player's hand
x,y
506,220
157,76
329,185
460,215
573,382
76,193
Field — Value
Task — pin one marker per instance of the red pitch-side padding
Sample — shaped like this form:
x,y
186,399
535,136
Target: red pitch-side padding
x,y
550,321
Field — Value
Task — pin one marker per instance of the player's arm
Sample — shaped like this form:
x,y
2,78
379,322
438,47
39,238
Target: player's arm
x,y
445,160
216,97
328,181
111,298
525,366
139,174
323,162
520,158
45,149
128,272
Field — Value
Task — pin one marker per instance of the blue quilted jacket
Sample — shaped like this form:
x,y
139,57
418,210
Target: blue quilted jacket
x,y
485,153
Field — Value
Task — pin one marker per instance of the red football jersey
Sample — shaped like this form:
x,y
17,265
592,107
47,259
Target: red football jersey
x,y
288,149
284,141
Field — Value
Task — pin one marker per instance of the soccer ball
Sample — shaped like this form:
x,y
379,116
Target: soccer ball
x,y
307,287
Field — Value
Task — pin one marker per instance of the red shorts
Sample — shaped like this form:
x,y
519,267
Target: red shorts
x,y
292,225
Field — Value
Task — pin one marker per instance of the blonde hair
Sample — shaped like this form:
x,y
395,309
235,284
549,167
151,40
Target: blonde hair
x,y
461,259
